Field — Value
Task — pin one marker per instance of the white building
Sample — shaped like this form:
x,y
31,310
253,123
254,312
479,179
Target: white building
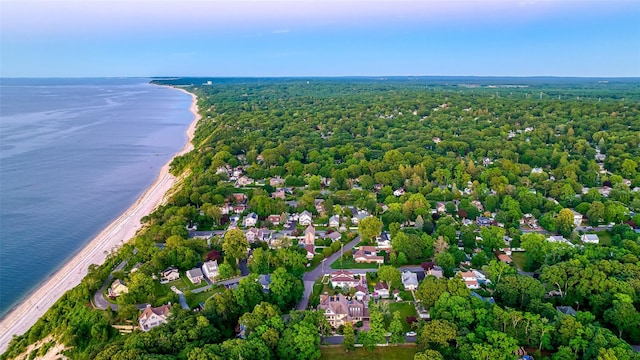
x,y
590,239
152,317
210,269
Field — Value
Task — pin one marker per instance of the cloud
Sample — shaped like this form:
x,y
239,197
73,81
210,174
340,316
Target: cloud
x,y
280,31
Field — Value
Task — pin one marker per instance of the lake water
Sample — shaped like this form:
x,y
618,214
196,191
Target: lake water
x,y
74,154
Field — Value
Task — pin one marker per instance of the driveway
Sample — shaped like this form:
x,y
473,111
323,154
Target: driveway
x,y
98,299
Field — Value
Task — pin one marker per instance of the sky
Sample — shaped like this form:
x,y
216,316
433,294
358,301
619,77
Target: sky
x,y
144,38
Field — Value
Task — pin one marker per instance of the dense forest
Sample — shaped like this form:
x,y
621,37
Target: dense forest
x,y
514,151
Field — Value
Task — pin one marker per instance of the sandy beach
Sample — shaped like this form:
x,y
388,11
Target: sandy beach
x,y
30,309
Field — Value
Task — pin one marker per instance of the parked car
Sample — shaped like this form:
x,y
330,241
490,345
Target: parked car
x,y
411,333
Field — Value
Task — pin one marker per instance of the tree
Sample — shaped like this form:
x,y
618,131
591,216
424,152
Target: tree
x,y
595,213
447,262
498,346
536,250
286,289
623,314
396,329
301,341
519,291
390,275
428,355
565,222
225,271
370,227
430,290
213,212
495,270
259,262
235,244
259,316
349,339
376,329
249,293
437,334
492,238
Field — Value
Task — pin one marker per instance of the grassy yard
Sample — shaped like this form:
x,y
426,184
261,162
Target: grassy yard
x,y
605,237
406,309
518,259
184,284
386,353
194,299
349,263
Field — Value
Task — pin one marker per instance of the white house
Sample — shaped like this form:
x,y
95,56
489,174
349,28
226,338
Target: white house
x,y
470,279
344,279
195,275
118,288
210,269
170,274
409,280
398,192
559,239
250,220
310,251
305,218
577,218
384,241
590,239
152,317
334,221
381,289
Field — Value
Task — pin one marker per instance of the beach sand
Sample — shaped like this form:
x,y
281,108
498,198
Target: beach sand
x,y
30,309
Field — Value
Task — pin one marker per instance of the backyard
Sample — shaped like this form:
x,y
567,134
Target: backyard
x,y
405,308
387,353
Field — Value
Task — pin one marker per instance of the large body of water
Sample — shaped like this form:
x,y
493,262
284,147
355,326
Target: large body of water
x,y
74,154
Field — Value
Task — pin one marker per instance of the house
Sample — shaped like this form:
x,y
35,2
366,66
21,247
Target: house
x,y
210,270
599,157
559,239
251,235
478,205
339,309
334,221
344,279
487,161
240,197
310,251
577,218
310,235
536,170
239,208
276,181
529,220
381,290
590,239
436,139
436,271
469,279
275,219
195,275
441,207
279,194
169,274
567,310
367,254
135,267
383,242
505,258
334,236
358,215
250,220
319,205
409,280
398,192
265,282
152,317
118,288
243,181
483,221
305,218
361,292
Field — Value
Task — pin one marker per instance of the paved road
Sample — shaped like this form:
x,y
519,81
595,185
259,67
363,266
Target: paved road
x,y
311,276
98,299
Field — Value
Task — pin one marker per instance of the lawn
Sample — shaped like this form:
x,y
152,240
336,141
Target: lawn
x,y
386,353
605,237
519,259
406,309
184,284
349,263
194,299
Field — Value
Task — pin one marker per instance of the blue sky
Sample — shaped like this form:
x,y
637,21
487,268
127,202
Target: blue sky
x,y
49,38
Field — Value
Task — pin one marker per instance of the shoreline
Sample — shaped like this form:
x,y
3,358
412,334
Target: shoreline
x,y
25,314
